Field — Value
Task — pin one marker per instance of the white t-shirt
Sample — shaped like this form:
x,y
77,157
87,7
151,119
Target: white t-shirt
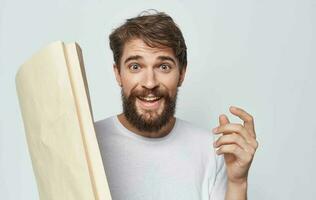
x,y
179,166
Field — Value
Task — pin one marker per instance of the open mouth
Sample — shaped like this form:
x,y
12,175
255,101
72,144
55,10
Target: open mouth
x,y
149,102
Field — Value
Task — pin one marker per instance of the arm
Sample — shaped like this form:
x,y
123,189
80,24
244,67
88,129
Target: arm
x,y
238,144
236,191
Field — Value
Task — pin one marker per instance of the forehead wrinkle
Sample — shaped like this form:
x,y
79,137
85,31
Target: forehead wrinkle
x,y
137,47
142,48
159,54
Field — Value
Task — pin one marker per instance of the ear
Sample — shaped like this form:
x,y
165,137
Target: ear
x,y
117,74
182,75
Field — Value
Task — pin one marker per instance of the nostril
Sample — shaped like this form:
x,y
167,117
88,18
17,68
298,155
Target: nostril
x,y
150,87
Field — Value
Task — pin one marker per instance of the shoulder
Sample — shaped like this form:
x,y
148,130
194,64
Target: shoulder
x,y
194,133
104,124
200,140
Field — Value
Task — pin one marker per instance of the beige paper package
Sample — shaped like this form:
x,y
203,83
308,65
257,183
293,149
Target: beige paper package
x,y
56,110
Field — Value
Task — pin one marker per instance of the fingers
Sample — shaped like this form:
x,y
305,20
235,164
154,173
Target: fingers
x,y
237,151
223,119
236,128
247,141
238,142
246,117
235,139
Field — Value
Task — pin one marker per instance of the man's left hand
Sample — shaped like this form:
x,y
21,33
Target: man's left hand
x,y
238,144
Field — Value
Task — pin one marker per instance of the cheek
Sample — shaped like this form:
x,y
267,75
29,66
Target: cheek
x,y
128,83
171,85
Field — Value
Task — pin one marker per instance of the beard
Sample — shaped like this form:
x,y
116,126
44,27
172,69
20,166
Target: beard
x,y
149,120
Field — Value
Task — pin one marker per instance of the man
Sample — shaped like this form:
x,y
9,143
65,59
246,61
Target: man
x,y
146,151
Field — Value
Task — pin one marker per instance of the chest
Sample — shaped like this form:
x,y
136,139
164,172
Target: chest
x,y
159,169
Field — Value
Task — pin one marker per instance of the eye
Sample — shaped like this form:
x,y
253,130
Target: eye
x,y
134,67
165,67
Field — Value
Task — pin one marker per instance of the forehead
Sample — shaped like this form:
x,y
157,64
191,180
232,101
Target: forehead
x,y
139,47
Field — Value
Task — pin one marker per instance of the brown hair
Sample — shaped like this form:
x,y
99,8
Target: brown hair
x,y
155,30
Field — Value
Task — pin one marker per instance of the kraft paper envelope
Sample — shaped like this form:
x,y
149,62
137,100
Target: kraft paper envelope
x,y
56,110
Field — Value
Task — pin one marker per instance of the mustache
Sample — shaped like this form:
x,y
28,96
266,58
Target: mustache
x,y
145,92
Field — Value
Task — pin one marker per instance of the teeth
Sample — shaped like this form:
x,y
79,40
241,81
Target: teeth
x,y
149,98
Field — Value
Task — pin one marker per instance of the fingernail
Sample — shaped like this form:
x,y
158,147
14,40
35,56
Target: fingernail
x,y
214,130
214,144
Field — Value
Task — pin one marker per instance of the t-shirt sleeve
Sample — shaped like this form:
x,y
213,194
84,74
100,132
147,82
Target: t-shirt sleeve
x,y
217,187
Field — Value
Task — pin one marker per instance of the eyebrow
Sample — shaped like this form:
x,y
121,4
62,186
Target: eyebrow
x,y
137,57
162,58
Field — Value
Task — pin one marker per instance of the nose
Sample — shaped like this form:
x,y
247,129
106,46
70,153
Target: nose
x,y
149,80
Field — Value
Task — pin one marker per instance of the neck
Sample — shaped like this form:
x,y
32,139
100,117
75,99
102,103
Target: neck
x,y
165,130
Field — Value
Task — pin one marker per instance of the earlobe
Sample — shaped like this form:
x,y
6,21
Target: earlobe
x,y
182,75
117,75
180,82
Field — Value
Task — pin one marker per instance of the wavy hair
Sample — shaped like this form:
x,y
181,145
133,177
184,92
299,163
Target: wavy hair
x,y
156,29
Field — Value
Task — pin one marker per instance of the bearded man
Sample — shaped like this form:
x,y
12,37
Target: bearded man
x,y
148,153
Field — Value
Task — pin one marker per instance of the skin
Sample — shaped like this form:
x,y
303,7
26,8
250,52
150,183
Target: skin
x,y
153,67
238,142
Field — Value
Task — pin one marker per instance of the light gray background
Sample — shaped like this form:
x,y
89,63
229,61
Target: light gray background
x,y
259,55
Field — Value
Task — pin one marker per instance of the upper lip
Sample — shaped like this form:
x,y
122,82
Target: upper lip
x,y
149,98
